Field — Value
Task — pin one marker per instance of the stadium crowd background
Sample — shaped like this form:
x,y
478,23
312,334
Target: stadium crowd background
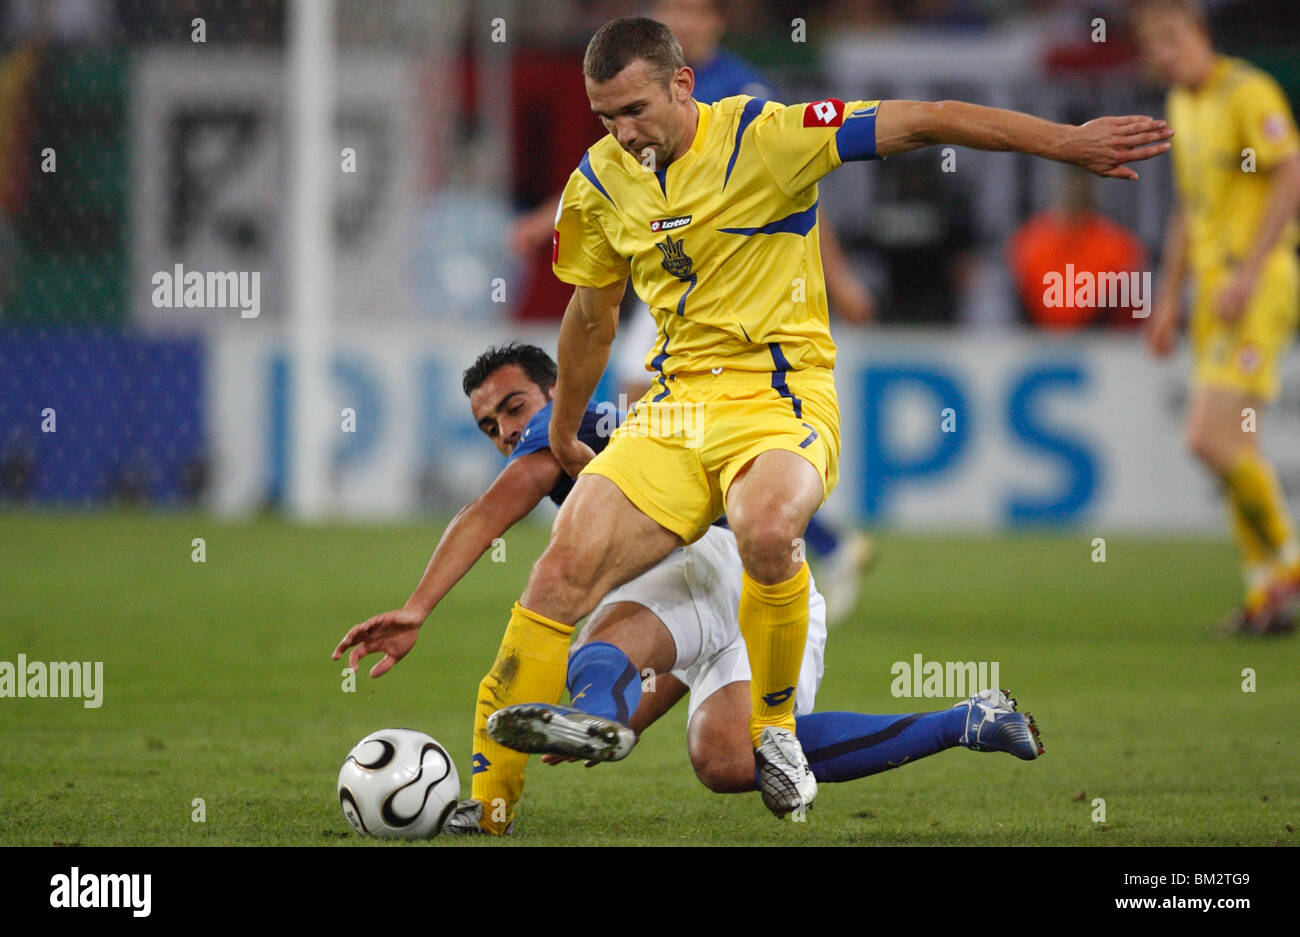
x,y
469,121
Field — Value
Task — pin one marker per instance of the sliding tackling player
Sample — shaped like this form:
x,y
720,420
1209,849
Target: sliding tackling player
x,y
677,621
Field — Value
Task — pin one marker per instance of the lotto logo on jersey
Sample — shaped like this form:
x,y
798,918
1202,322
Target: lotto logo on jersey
x,y
828,113
670,224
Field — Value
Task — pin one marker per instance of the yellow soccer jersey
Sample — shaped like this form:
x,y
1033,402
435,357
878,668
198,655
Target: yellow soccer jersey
x,y
1238,117
722,243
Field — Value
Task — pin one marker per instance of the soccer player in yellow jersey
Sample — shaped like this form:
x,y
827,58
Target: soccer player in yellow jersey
x,y
712,210
1237,170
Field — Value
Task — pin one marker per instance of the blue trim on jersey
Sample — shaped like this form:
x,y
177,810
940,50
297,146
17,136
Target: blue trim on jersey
x,y
662,176
657,362
778,379
584,167
856,138
800,223
753,107
811,436
681,303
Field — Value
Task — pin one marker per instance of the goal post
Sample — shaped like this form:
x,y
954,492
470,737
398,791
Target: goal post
x,y
311,71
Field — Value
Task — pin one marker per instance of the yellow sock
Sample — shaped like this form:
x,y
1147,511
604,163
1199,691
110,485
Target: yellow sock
x,y
1254,551
530,668
774,624
1258,507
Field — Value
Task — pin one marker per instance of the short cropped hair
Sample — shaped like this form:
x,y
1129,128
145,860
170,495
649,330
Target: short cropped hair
x,y
621,42
537,364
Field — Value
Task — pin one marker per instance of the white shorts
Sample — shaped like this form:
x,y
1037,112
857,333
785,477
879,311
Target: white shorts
x,y
695,592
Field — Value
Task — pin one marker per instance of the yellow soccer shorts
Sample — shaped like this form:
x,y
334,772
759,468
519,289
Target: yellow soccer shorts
x,y
1244,355
687,438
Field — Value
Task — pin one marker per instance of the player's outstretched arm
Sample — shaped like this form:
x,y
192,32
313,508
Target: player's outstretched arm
x,y
1102,146
515,492
586,333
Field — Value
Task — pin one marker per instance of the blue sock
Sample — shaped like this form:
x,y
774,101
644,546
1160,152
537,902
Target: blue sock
x,y
821,538
603,682
846,746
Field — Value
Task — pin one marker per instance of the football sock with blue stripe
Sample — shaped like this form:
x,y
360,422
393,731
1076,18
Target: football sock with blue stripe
x,y
844,746
774,624
603,682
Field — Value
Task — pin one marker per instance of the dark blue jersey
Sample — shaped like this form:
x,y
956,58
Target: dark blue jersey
x,y
596,426
726,75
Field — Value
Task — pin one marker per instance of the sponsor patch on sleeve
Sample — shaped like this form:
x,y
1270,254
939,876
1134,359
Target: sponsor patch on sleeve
x,y
828,113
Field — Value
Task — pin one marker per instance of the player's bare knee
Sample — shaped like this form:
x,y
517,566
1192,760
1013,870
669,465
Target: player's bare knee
x,y
723,771
725,778
771,549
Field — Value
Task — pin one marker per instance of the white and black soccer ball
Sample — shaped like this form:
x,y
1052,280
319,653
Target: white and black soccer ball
x,y
398,784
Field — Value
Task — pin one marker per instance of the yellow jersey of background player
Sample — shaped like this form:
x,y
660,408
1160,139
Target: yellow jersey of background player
x,y
1237,173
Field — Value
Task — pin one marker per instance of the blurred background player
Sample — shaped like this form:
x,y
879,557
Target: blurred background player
x,y
1234,233
699,26
677,621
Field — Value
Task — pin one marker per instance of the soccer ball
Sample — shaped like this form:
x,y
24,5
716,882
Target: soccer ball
x,y
398,784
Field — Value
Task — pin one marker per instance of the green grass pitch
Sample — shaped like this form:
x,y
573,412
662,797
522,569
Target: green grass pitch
x,y
219,685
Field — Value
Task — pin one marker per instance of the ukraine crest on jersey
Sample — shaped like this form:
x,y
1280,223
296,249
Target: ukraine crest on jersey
x,y
722,243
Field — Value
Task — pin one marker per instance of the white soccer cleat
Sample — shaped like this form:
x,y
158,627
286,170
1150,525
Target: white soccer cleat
x,y
467,820
549,729
784,777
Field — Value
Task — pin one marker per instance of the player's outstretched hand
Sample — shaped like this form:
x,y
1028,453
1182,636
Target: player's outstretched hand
x,y
1104,145
393,634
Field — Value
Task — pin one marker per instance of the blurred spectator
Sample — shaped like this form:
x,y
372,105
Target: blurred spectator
x,y
18,70
224,21
921,226
1072,233
66,22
